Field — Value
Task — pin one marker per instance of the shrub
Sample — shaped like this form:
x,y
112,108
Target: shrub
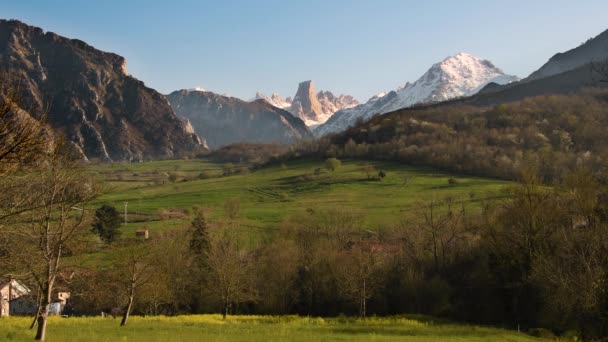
x,y
541,333
204,175
452,181
332,164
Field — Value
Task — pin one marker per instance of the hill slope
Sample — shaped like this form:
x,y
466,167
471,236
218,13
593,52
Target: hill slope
x,y
102,111
225,120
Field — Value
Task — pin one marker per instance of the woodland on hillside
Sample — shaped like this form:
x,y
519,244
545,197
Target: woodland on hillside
x,y
553,133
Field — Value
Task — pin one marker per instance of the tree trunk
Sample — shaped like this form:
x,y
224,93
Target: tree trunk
x,y
35,318
37,310
125,316
43,313
225,312
364,298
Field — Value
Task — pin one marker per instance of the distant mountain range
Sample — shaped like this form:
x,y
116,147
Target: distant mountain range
x,y
226,120
312,107
107,114
103,112
455,76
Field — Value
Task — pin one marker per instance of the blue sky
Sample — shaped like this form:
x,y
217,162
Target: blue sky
x,y
353,47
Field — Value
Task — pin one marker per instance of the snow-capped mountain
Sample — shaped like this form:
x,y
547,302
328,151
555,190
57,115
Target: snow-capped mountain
x,y
275,100
459,75
313,108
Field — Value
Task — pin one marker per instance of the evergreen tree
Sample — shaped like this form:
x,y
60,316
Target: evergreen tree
x,y
199,238
106,224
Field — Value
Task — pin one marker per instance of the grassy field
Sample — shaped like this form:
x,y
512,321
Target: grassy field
x,y
256,328
268,195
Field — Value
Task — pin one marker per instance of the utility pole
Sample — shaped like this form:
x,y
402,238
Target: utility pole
x,y
126,203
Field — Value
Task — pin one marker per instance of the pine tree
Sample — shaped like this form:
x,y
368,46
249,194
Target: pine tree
x,y
199,238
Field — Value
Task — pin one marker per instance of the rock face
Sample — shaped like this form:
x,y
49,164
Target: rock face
x,y
275,100
593,50
226,120
455,76
103,112
305,104
313,108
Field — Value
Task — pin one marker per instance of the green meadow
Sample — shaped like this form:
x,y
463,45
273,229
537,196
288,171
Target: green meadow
x,y
269,195
257,328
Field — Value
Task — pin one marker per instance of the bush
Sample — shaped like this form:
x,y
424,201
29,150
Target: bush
x,y
452,181
541,333
204,175
174,177
332,164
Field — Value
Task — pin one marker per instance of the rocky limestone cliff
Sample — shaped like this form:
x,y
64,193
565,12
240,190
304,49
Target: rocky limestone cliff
x,y
305,104
313,108
103,112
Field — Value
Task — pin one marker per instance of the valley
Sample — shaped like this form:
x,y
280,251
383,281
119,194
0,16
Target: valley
x,y
269,195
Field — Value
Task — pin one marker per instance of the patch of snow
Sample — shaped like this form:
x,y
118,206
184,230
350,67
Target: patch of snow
x,y
459,75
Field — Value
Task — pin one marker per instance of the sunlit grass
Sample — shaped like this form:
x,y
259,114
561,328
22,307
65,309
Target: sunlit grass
x,y
256,328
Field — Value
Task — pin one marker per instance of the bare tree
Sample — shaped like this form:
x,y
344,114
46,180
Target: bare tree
x,y
40,237
443,228
358,274
134,271
230,267
21,136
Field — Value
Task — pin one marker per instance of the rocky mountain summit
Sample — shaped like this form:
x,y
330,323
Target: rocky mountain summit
x,y
103,112
312,107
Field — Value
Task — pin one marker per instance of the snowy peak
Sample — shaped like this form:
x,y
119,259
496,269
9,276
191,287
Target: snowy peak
x,y
312,107
460,75
275,100
197,89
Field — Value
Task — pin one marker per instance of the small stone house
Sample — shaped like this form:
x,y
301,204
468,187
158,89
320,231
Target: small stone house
x,y
142,233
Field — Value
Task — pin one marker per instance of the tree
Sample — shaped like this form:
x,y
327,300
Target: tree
x,y
368,170
41,237
358,274
230,268
232,208
106,224
332,164
199,234
134,270
22,138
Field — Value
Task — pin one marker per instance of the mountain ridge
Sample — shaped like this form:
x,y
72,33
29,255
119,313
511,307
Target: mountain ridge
x,y
103,112
227,120
455,76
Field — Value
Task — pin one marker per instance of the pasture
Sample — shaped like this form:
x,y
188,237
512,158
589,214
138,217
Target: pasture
x,y
257,328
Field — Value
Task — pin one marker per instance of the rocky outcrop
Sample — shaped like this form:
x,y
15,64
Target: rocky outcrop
x,y
103,112
226,120
313,108
305,104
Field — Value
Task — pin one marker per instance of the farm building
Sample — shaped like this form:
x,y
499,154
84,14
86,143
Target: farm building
x,y
142,233
14,292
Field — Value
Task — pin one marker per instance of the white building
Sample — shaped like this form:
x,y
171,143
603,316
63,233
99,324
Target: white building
x,y
10,291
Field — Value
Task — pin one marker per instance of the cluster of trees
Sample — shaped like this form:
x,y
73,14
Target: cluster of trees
x,y
555,133
536,259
